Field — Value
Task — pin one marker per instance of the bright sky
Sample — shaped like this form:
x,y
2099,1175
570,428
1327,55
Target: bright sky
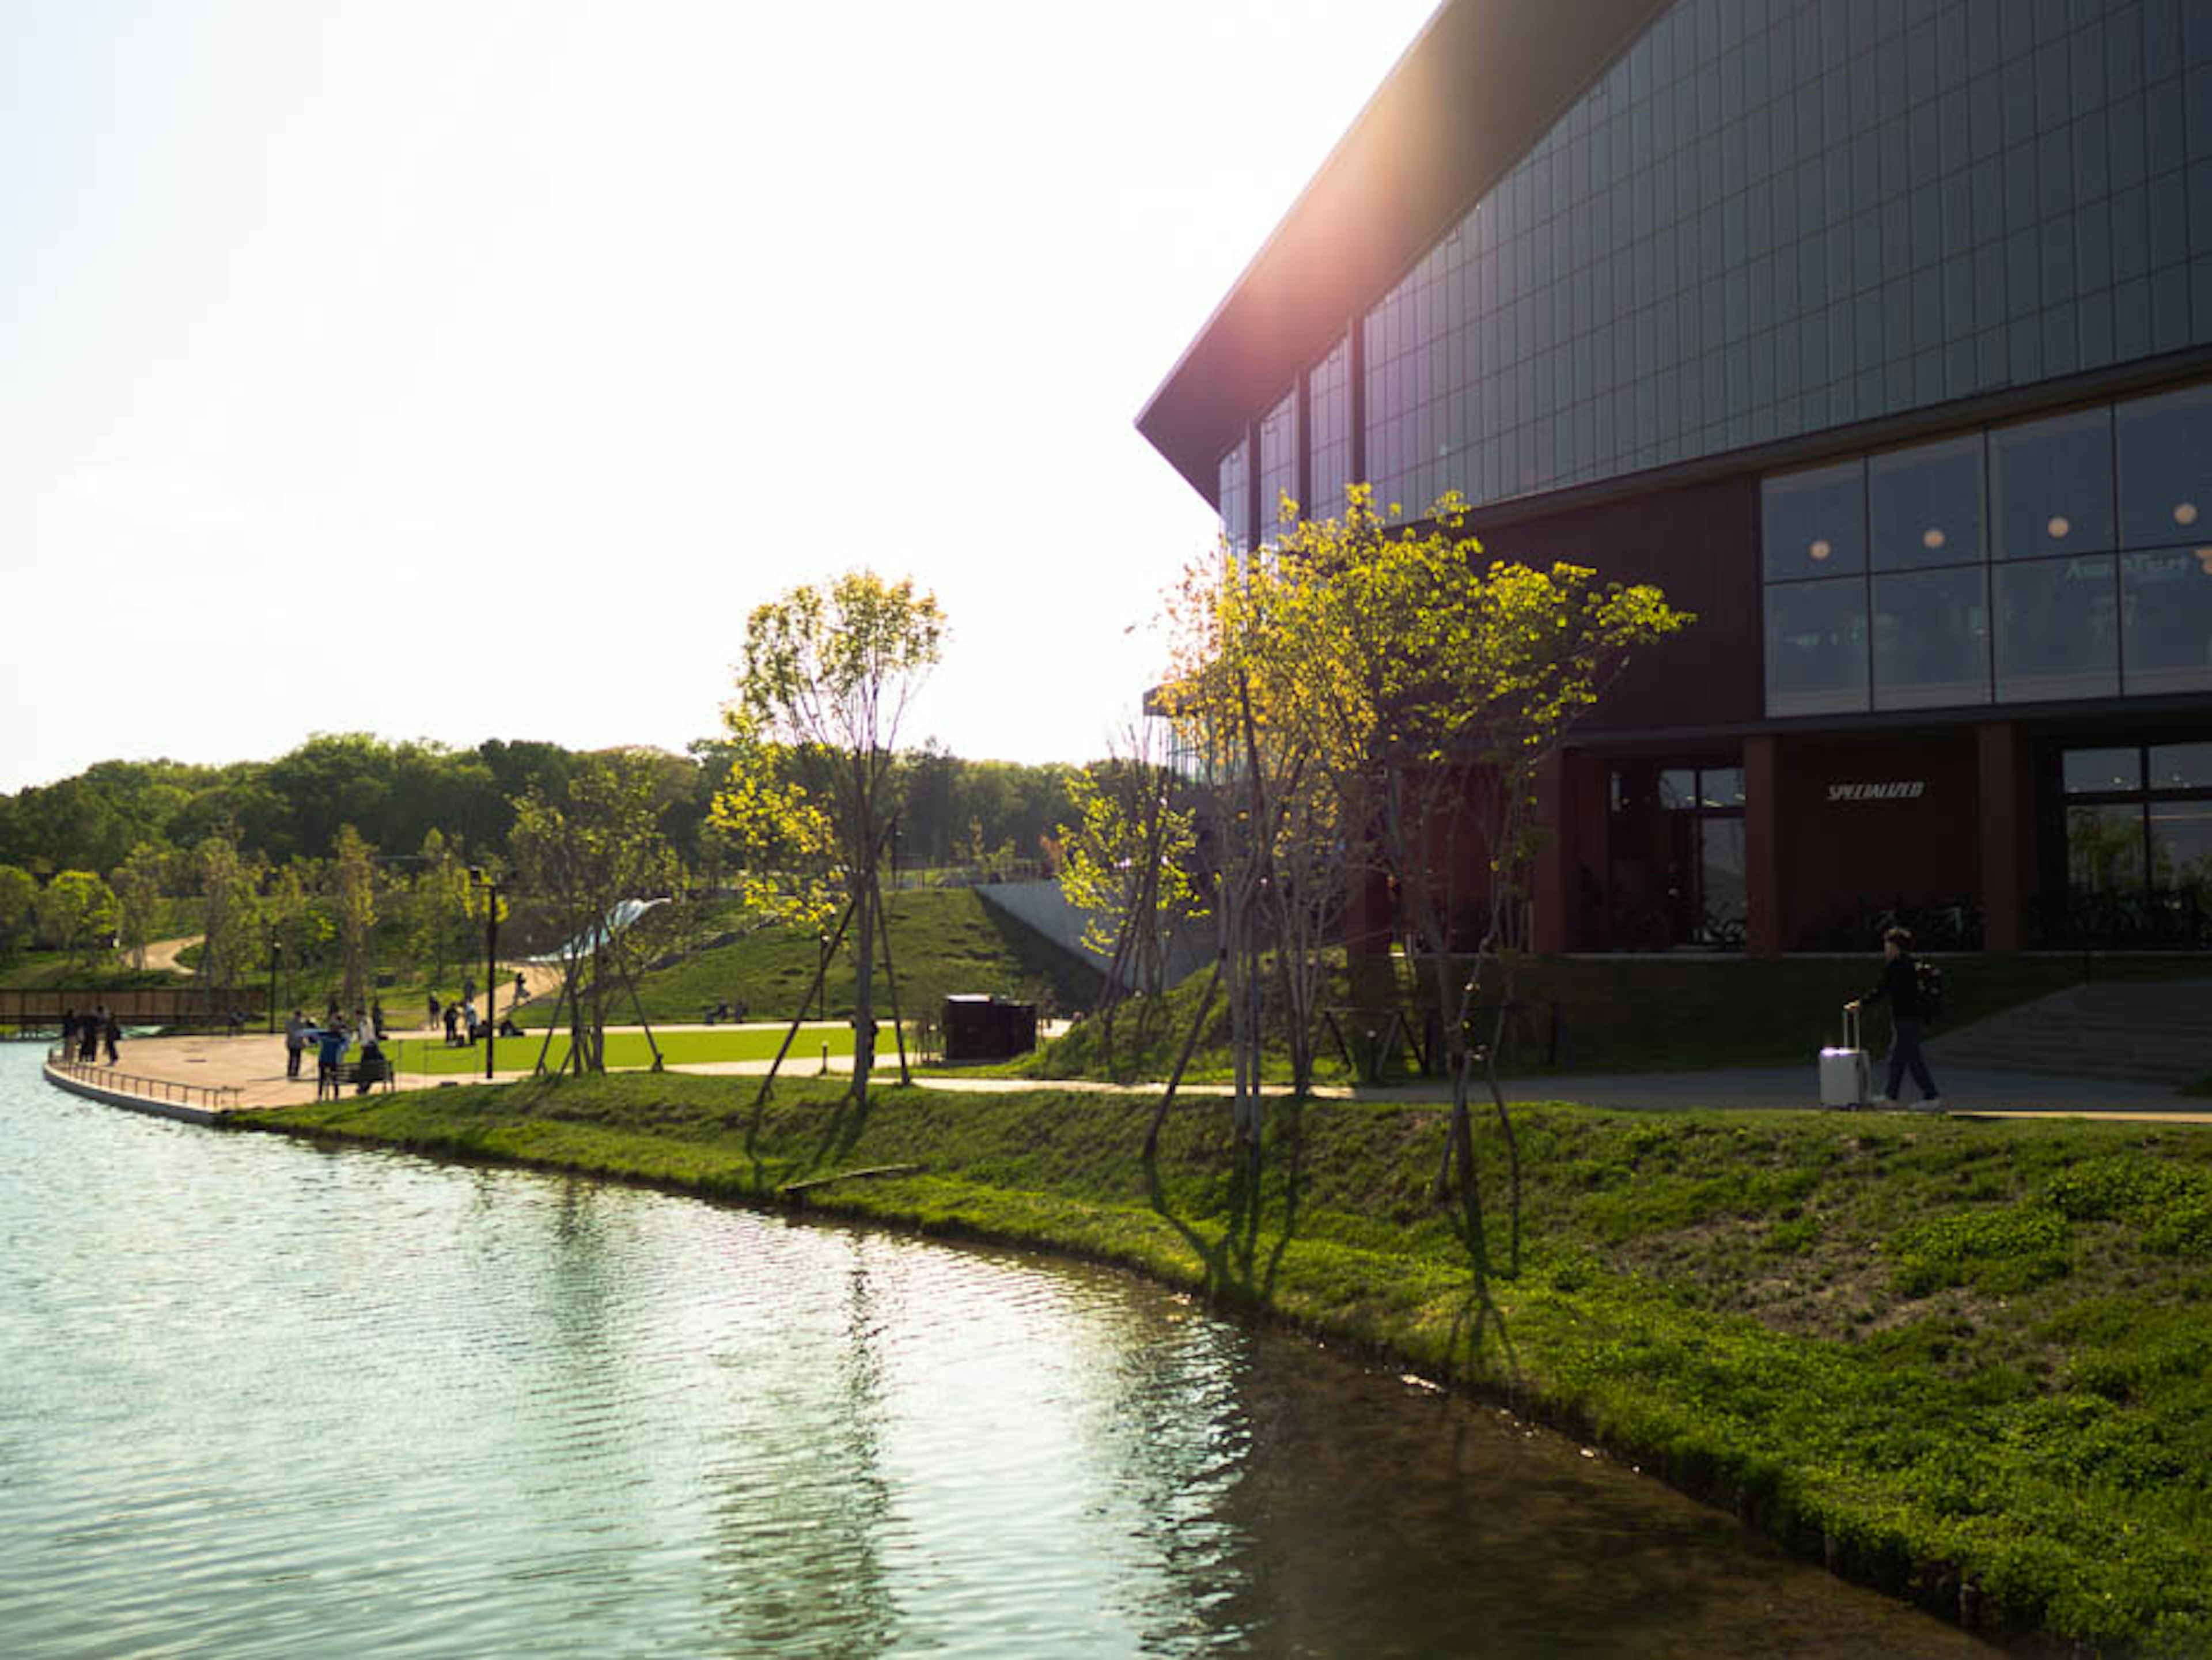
x,y
469,368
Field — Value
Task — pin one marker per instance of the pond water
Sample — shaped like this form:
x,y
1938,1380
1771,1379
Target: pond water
x,y
259,1398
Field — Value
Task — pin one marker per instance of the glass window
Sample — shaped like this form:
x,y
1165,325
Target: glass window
x,y
2055,633
2166,602
2181,844
1236,508
2104,848
1924,505
1816,647
2165,468
2053,482
1814,522
2097,772
1279,464
2181,766
1678,788
1931,633
1720,787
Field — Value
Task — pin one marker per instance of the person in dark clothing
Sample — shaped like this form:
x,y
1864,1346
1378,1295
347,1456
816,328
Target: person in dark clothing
x,y
69,1033
330,1050
111,1032
453,1026
1901,987
88,1036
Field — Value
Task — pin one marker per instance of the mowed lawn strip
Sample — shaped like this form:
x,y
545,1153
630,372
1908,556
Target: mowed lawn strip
x,y
1968,1363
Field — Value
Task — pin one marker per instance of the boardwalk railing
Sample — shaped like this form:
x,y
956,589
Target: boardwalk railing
x,y
211,1098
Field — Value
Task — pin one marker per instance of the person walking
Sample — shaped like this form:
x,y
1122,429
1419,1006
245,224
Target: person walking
x,y
330,1050
87,1035
453,1026
1900,987
295,1042
111,1032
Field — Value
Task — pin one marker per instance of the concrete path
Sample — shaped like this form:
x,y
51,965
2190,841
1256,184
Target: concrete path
x,y
254,1064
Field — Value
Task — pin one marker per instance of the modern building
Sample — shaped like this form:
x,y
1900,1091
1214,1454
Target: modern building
x,y
1878,333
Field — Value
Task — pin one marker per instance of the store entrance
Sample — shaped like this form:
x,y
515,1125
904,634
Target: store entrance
x,y
1676,849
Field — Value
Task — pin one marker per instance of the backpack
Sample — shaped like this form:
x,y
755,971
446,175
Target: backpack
x,y
1927,986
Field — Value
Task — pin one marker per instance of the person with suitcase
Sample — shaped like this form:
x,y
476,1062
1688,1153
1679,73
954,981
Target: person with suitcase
x,y
1901,987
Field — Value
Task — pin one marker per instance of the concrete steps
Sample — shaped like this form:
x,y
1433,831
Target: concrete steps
x,y
2153,1032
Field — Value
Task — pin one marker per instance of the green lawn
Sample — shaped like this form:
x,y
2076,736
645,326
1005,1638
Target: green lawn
x,y
627,1050
1968,1363
943,940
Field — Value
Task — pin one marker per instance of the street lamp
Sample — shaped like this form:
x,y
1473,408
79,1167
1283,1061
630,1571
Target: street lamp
x,y
276,951
492,889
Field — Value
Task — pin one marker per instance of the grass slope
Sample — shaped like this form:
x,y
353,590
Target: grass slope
x,y
1968,1363
943,940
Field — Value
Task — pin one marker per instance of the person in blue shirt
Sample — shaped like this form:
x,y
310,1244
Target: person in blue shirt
x,y
330,1050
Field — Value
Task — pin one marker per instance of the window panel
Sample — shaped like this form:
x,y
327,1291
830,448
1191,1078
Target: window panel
x,y
2166,602
1813,523
2104,848
2180,766
1931,644
2057,633
2097,772
2051,482
2166,467
1924,505
1816,647
2181,844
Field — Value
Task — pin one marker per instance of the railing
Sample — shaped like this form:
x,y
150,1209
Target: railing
x,y
211,1098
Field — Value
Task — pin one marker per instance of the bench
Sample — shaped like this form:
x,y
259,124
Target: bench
x,y
362,1075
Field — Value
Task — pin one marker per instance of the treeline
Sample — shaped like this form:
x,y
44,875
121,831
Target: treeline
x,y
394,795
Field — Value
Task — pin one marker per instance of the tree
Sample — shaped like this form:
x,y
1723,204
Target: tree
x,y
76,912
231,916
353,873
19,902
138,882
1435,691
1126,862
588,861
439,909
827,675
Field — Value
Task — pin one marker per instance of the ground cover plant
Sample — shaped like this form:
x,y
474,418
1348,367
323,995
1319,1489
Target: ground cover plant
x,y
1968,1362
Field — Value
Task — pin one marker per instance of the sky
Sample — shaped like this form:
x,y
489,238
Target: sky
x,y
471,368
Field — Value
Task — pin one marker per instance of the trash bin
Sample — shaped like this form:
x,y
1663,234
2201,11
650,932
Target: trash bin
x,y
980,1028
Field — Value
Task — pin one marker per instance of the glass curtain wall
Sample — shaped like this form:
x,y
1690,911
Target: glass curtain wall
x,y
2138,847
2061,558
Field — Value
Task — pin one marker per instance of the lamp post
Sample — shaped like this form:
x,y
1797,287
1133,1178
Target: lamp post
x,y
492,889
275,950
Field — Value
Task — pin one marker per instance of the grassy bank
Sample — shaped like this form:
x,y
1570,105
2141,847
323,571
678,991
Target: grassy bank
x,y
1968,1363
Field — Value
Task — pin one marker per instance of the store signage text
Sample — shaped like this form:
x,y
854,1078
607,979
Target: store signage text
x,y
1908,790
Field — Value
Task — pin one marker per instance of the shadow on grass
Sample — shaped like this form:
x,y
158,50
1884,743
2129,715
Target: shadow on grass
x,y
1234,1271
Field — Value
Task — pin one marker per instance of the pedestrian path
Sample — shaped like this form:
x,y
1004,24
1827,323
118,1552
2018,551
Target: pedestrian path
x,y
252,1066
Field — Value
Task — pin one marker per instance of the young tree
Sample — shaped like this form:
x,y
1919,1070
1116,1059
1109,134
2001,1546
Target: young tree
x,y
827,676
353,877
588,862
232,915
1436,690
138,882
76,912
19,902
439,910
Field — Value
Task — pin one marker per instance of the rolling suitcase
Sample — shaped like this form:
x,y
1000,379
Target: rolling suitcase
x,y
1844,1071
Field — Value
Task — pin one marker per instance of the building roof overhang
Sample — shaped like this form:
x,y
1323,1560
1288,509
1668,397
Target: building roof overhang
x,y
1478,87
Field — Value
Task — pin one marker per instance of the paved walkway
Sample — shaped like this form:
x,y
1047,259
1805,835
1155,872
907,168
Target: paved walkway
x,y
254,1064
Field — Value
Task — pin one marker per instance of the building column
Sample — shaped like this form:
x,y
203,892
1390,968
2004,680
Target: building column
x,y
1762,846
1550,886
2004,831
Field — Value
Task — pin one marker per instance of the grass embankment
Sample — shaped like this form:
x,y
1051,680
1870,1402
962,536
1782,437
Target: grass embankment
x,y
943,940
1618,1014
1969,1363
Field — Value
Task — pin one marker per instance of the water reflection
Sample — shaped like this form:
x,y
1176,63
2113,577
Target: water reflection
x,y
259,1399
